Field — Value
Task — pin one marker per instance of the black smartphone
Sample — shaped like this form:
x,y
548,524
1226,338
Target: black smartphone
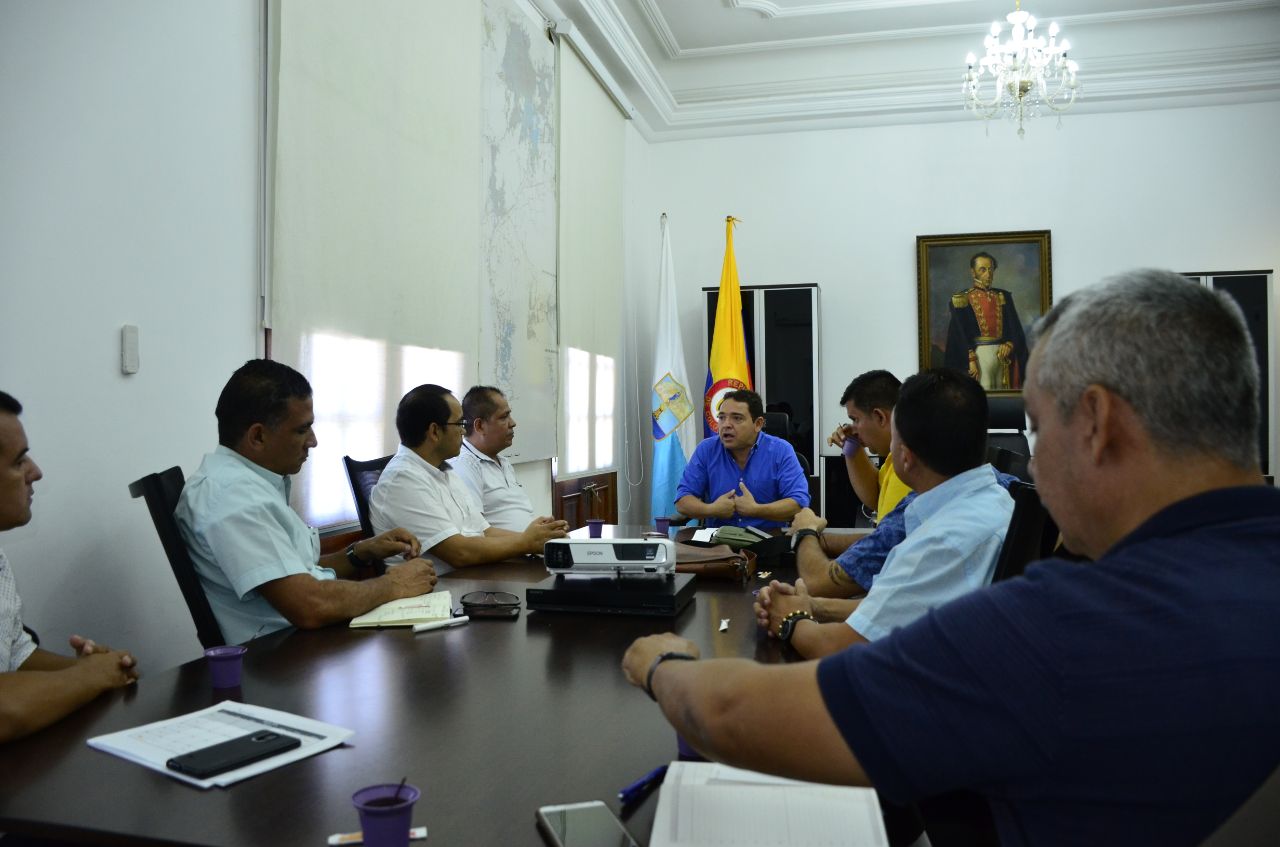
x,y
583,825
229,755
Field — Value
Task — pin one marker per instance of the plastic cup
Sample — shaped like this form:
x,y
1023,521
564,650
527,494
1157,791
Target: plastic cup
x,y
686,753
663,525
224,665
595,526
386,813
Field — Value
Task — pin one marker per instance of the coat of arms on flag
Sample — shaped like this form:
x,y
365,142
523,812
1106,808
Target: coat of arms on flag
x,y
670,406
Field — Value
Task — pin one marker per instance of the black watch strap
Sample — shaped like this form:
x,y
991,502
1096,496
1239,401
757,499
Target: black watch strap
x,y
802,534
662,657
788,626
356,561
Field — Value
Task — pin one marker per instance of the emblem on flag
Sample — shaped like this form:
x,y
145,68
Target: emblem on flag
x,y
670,406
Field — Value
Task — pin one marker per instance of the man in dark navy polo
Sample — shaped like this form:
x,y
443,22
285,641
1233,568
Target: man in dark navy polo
x,y
743,476
1134,700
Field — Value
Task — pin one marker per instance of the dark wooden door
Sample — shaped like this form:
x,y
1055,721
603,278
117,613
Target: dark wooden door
x,y
575,500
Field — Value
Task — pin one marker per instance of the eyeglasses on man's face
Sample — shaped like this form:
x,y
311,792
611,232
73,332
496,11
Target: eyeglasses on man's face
x,y
462,423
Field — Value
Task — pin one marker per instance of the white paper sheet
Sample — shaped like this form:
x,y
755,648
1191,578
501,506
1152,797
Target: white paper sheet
x,y
153,744
710,805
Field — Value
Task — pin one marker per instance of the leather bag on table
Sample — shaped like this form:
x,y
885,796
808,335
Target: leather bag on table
x,y
717,562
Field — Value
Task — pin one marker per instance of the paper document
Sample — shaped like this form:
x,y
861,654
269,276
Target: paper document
x,y
707,534
709,805
408,611
153,744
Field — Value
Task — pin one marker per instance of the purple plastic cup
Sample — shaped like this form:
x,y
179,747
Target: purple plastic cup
x,y
663,525
595,526
686,753
386,813
224,665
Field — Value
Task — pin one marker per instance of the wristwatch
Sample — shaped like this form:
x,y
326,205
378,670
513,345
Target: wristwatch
x,y
356,562
662,657
788,626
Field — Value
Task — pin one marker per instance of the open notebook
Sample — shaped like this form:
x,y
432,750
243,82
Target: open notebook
x,y
408,611
709,805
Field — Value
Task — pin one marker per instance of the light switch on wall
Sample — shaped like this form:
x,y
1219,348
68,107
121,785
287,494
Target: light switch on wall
x,y
129,349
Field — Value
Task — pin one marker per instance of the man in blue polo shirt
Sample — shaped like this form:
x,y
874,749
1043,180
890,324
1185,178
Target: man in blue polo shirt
x,y
1134,700
742,476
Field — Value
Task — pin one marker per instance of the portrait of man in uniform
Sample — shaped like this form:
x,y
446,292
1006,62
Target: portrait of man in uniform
x,y
978,296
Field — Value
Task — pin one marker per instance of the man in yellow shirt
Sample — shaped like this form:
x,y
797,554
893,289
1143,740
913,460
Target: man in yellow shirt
x,y
869,402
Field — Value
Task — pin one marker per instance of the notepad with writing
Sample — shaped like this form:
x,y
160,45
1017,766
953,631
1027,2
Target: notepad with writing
x,y
408,611
710,805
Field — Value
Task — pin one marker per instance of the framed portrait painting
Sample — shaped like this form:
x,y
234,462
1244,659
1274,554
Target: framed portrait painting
x,y
979,294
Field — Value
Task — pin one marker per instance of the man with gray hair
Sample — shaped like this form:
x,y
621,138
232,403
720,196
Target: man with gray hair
x,y
1132,700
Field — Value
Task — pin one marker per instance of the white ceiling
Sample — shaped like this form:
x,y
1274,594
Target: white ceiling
x,y
690,68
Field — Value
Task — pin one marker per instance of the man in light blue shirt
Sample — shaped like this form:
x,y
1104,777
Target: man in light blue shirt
x,y
259,564
955,526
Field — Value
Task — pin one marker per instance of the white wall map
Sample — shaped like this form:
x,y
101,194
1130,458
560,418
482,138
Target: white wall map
x,y
518,340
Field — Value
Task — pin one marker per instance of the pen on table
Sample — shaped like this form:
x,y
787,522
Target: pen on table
x,y
417,833
427,627
642,786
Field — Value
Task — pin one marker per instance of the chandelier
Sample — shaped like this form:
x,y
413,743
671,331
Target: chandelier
x,y
1025,72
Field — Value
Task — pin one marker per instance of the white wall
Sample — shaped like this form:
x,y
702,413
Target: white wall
x,y
1192,189
127,196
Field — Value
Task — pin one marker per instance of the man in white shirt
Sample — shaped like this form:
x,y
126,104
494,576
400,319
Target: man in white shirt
x,y
420,491
37,687
491,478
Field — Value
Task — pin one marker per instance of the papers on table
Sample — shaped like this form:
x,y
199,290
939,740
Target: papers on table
x,y
408,611
153,744
706,535
708,805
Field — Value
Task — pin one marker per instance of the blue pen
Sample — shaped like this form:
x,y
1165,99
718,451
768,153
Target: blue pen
x,y
642,786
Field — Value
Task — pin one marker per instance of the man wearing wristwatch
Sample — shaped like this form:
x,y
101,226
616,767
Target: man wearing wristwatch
x,y
954,525
1131,700
259,564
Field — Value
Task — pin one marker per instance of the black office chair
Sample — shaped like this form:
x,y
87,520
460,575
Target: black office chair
x,y
1004,460
363,476
1032,533
1007,429
778,424
161,491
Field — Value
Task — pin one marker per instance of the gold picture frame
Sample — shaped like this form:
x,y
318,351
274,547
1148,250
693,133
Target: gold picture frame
x,y
968,326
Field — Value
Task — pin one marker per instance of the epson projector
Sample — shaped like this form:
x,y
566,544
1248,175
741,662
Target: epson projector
x,y
610,555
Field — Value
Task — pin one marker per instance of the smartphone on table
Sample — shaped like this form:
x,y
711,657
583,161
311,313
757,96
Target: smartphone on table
x,y
588,824
229,755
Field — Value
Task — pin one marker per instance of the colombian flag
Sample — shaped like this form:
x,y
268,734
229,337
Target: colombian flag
x,y
727,368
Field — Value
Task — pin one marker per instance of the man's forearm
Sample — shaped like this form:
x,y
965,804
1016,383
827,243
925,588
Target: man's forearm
x,y
463,551
310,603
693,507
721,710
30,700
864,478
815,640
838,609
43,660
779,510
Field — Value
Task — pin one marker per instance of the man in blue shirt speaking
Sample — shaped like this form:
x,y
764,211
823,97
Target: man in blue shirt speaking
x,y
743,476
1134,700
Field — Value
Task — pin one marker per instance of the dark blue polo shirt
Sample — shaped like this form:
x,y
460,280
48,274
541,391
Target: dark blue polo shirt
x,y
1135,700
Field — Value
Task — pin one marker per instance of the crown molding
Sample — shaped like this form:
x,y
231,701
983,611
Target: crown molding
x,y
1204,76
674,51
768,9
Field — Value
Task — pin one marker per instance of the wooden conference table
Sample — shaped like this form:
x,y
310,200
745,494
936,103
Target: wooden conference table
x,y
491,720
